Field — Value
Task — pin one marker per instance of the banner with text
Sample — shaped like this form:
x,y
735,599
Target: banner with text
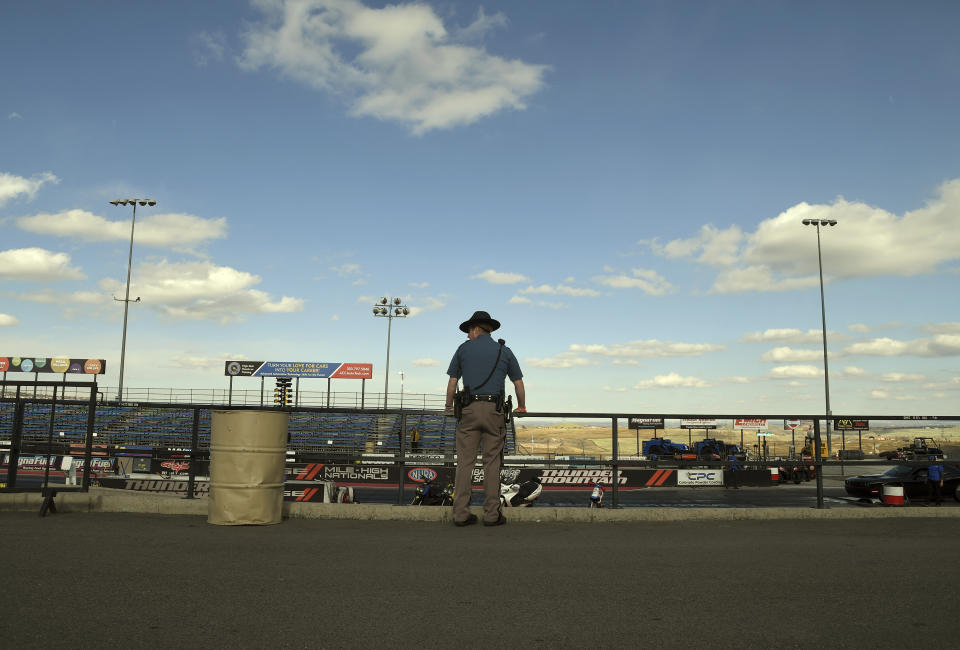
x,y
306,369
699,477
698,423
843,424
645,423
746,423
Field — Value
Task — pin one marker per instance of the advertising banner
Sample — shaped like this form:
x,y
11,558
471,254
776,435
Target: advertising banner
x,y
176,466
306,369
175,486
698,423
303,489
745,423
35,463
842,424
699,477
645,423
59,365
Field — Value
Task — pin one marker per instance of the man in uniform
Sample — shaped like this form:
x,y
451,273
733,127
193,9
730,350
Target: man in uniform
x,y
935,481
483,364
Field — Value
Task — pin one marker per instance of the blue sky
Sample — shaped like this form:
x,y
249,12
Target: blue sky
x,y
621,184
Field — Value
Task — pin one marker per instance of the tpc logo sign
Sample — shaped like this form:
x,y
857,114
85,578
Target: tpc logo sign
x,y
699,477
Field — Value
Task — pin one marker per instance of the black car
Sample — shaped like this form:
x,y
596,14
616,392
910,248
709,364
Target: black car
x,y
913,478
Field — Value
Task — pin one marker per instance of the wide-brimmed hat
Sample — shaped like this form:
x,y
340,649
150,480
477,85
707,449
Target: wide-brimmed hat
x,y
478,318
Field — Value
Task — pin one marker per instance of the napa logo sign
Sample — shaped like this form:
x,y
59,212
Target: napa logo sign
x,y
699,477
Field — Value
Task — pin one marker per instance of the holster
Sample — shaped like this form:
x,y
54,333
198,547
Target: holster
x,y
461,399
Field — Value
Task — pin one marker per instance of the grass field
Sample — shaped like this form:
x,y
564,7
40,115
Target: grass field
x,y
571,439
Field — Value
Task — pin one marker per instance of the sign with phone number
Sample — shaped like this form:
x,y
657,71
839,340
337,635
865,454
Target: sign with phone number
x,y
307,369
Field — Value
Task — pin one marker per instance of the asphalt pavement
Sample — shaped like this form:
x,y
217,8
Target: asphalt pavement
x,y
144,581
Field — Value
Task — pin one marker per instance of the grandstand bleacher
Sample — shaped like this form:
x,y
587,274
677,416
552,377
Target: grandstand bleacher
x,y
313,430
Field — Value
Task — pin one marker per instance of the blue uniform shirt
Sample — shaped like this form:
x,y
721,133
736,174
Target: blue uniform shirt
x,y
473,361
934,472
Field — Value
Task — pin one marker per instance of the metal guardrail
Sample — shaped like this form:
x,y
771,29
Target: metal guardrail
x,y
262,398
402,456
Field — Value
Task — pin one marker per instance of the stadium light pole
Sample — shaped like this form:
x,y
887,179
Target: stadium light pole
x,y
823,318
389,308
126,298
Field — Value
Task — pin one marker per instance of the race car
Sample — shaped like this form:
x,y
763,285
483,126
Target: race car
x,y
913,478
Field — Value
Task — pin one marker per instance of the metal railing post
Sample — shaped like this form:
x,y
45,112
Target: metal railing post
x,y
16,442
88,448
615,473
402,457
194,442
46,464
818,462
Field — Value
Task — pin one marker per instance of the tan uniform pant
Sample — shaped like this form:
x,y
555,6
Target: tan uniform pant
x,y
479,424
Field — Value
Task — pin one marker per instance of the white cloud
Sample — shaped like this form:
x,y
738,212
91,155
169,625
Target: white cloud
x,y
346,270
647,280
201,291
940,345
787,354
853,371
795,372
884,395
671,380
942,328
561,361
861,328
208,47
560,289
12,186
426,362
712,246
898,377
483,23
427,304
951,384
521,300
758,278
397,63
193,363
650,349
51,297
420,285
782,254
37,264
335,317
499,277
738,380
6,320
157,230
14,116
786,335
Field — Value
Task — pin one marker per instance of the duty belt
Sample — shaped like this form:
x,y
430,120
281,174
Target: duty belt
x,y
484,398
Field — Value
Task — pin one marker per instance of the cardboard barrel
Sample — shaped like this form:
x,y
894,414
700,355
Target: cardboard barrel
x,y
892,495
247,455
